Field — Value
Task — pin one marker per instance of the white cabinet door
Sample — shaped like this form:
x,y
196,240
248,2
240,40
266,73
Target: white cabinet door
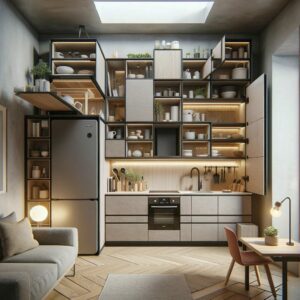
x,y
167,64
221,231
139,100
164,235
100,68
204,232
218,54
126,205
185,232
255,132
126,232
186,205
235,205
204,205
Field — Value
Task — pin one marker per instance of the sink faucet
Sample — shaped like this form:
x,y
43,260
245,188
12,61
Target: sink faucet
x,y
198,174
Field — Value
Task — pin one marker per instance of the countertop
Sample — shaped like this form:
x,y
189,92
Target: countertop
x,y
181,193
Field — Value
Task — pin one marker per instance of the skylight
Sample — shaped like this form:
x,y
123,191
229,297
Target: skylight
x,y
153,12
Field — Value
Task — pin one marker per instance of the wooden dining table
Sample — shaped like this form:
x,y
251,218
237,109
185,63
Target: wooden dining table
x,y
282,253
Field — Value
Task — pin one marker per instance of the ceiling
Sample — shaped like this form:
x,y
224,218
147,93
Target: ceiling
x,y
226,16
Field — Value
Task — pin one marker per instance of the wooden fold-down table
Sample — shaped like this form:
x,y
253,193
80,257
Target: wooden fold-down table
x,y
282,252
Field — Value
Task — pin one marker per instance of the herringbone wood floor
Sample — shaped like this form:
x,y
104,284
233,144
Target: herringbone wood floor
x,y
203,267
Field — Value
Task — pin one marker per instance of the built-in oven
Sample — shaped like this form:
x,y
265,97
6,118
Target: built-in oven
x,y
164,213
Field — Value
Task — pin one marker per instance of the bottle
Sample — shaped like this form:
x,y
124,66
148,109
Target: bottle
x,y
36,172
44,173
129,153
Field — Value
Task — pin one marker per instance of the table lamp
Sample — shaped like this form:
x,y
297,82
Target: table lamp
x,y
276,212
38,213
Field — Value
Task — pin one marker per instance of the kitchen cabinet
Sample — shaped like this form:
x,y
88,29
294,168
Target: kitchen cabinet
x,y
186,232
127,205
139,100
114,148
235,205
204,232
204,205
221,231
164,235
186,205
167,64
256,120
126,232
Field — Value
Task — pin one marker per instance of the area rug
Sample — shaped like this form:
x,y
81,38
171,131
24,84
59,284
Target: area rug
x,y
145,287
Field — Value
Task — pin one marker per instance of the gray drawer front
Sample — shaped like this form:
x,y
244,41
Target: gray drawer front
x,y
126,232
164,235
186,205
126,219
186,232
235,205
126,205
204,219
204,232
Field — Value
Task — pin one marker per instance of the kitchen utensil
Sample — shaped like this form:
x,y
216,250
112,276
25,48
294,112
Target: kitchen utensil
x,y
190,135
64,70
239,73
174,113
111,134
228,94
137,153
216,177
200,182
224,175
116,173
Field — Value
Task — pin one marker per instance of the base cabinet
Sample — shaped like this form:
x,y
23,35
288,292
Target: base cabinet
x,y
221,231
186,232
126,232
204,232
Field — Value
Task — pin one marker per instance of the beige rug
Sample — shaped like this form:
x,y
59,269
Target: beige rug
x,y
145,287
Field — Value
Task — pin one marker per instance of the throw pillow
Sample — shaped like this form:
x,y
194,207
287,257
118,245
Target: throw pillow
x,y
16,237
12,217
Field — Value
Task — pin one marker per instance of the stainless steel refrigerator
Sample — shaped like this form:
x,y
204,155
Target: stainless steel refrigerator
x,y
75,179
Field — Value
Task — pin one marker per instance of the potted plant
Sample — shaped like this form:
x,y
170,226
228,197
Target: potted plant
x,y
132,179
41,72
271,236
200,93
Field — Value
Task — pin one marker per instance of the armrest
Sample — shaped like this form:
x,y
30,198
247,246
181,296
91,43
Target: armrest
x,y
14,285
56,236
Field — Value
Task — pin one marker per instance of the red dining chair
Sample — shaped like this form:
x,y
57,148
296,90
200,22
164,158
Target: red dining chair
x,y
247,258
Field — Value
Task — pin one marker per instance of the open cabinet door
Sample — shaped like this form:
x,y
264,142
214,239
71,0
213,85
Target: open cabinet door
x,y
218,54
256,134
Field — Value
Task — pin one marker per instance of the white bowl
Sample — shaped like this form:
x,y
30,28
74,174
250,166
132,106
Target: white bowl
x,y
64,70
187,153
140,76
239,73
137,153
228,94
68,99
190,135
131,76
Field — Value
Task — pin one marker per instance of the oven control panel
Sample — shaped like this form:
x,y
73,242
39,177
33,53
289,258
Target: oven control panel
x,y
164,200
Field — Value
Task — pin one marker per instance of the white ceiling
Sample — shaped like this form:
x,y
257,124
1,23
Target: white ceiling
x,y
227,16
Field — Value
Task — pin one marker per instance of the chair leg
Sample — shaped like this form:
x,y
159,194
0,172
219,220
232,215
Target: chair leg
x,y
229,271
257,274
269,275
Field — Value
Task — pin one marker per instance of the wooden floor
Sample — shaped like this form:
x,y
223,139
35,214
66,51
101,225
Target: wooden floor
x,y
203,267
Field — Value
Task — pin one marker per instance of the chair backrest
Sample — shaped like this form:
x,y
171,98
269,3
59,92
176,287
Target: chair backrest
x,y
233,245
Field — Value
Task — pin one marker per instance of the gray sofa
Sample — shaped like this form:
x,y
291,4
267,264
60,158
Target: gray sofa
x,y
32,274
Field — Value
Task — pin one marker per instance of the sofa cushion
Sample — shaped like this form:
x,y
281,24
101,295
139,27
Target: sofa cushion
x,y
41,278
16,237
12,217
63,256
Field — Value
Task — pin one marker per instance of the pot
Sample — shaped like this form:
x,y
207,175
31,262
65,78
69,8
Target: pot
x,y
239,73
271,240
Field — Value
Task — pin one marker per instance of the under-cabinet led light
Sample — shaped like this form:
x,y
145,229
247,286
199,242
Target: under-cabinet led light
x,y
153,12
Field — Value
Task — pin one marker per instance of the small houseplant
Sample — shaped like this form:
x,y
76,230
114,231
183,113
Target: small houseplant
x,y
41,72
158,108
271,236
200,93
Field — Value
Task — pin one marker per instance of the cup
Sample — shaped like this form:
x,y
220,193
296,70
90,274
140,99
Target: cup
x,y
111,134
78,105
111,118
201,136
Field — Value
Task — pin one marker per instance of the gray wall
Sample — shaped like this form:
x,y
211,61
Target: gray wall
x,y
16,57
271,40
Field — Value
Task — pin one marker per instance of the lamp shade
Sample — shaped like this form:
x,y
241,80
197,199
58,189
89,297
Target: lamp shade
x,y
275,212
38,213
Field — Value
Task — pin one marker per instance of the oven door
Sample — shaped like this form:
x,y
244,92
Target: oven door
x,y
164,217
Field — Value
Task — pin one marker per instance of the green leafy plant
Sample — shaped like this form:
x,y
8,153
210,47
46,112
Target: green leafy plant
x,y
158,109
200,91
41,70
132,177
139,55
270,231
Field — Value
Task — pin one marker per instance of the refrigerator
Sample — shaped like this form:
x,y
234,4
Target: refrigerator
x,y
75,179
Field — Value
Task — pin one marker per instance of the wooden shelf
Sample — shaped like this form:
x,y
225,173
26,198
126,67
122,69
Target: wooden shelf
x,y
228,124
214,100
47,101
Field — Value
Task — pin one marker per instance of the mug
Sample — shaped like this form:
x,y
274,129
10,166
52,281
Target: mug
x,y
78,105
201,136
111,134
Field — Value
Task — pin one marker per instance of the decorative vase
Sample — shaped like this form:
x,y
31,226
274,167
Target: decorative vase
x,y
271,240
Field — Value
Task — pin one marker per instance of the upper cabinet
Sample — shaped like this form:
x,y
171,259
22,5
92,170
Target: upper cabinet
x,y
167,64
255,132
